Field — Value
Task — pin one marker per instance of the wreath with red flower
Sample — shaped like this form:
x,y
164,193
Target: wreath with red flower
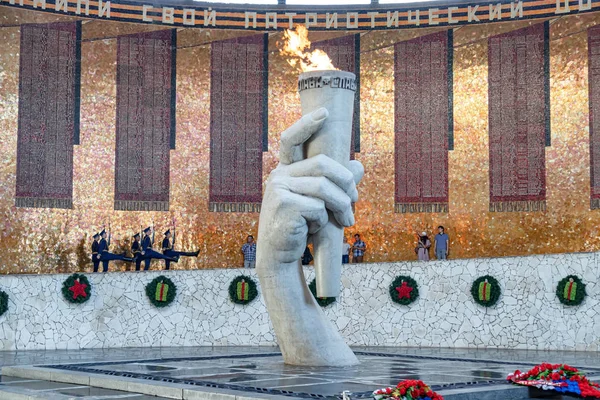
x,y
323,301
571,291
242,290
407,390
486,291
561,378
77,289
404,290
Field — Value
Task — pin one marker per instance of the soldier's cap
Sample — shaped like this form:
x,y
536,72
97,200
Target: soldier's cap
x,y
148,229
102,233
136,235
167,232
95,236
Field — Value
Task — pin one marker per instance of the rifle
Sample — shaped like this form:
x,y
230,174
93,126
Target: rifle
x,y
173,246
153,232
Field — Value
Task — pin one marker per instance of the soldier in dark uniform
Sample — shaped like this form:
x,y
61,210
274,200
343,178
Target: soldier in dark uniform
x,y
167,249
105,255
136,250
95,252
148,253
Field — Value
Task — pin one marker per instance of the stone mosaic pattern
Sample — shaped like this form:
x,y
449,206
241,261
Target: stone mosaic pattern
x,y
527,316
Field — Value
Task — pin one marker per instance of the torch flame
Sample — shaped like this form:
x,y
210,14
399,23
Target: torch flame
x,y
295,48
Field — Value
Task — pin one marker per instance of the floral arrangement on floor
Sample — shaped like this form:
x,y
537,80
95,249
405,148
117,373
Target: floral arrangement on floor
x,y
407,390
558,377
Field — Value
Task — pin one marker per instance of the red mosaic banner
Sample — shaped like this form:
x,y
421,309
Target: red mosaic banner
x,y
145,120
344,53
423,116
518,118
49,77
594,101
238,123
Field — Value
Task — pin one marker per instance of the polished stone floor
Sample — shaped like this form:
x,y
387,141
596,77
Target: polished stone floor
x,y
261,370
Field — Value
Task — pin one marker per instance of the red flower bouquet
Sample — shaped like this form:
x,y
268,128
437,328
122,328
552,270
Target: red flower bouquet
x,y
407,390
558,377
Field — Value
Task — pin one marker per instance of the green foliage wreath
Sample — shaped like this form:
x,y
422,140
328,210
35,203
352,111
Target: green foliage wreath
x,y
242,290
571,291
161,291
323,301
485,291
3,302
77,289
404,290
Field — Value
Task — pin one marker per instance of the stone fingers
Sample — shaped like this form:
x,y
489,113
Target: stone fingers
x,y
357,170
323,166
293,138
335,199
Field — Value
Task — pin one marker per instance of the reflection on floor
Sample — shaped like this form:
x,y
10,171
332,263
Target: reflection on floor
x,y
261,370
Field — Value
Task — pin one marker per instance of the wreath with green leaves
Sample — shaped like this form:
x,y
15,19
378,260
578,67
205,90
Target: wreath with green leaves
x,y
3,302
77,289
571,291
485,291
242,290
323,301
161,291
404,290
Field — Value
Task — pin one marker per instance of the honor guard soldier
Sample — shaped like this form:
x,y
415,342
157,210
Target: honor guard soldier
x,y
148,253
136,250
167,249
105,255
95,252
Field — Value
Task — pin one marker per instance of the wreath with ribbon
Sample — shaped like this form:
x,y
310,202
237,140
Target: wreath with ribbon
x,y
161,291
77,289
486,291
323,301
404,290
571,291
242,290
3,302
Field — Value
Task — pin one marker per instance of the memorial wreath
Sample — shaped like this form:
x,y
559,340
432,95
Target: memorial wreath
x,y
486,291
571,291
407,390
242,289
557,377
323,301
77,289
161,291
404,290
3,302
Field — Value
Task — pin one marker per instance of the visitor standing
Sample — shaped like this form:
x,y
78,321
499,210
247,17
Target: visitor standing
x,y
249,252
423,245
358,249
441,244
345,251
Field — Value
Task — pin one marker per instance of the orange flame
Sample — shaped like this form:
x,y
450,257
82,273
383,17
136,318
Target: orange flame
x,y
295,48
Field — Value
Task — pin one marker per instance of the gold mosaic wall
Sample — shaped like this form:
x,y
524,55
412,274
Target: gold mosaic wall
x,y
46,241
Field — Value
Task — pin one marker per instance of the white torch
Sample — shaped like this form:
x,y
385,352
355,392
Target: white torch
x,y
324,86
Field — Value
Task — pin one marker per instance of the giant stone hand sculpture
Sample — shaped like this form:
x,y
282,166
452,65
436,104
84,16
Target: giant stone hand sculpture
x,y
298,196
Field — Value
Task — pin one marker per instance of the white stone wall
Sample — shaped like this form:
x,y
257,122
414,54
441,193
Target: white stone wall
x,y
528,314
